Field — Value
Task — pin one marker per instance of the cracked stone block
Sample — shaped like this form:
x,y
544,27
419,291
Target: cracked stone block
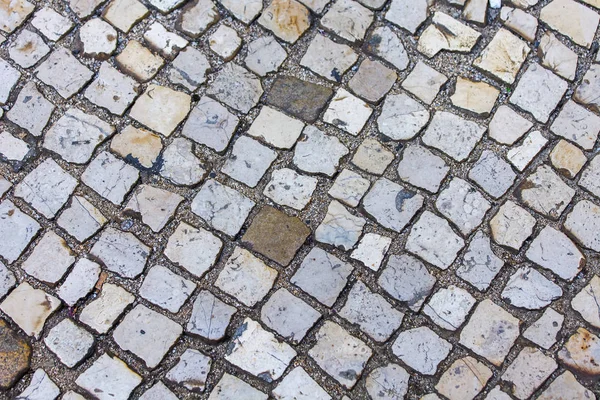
x,y
110,177
79,282
503,56
519,22
165,6
124,14
507,126
236,87
166,289
189,68
121,252
580,352
13,14
383,42
477,97
7,280
84,8
210,317
157,392
424,82
453,135
246,278
12,148
29,308
544,192
372,81
16,231
490,332
322,275
402,117
264,55
28,49
529,289
96,39
339,228
69,342
557,57
64,73
372,156
567,159
180,165
81,219
161,109
197,16
288,315
421,349
566,386
210,124
407,14
347,112
167,44
16,355
139,62
154,206
559,13
449,307
196,250
288,188
521,156
298,98
463,205
349,187
50,259
583,223
407,280
371,250
577,125
191,371
112,90
421,168
491,173
586,303
512,225
553,250
10,76
230,387
342,356
137,146
108,378
392,205
544,330
222,207
258,352
103,311
327,58
47,188
31,110
299,385
248,161
432,239
528,372
447,33
147,334
371,312
225,42
316,152
75,135
464,379
276,128
40,387
388,382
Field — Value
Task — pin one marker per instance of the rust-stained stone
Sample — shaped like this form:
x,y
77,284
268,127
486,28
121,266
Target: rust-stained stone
x,y
581,354
299,98
276,235
15,354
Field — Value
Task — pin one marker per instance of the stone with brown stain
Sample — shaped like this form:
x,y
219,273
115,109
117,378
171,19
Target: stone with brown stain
x,y
138,146
581,354
298,98
287,19
15,355
13,14
276,235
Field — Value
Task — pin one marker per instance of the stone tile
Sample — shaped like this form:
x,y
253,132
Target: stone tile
x,y
79,282
161,109
248,161
7,280
529,289
585,302
372,156
16,231
13,15
479,265
222,207
104,310
520,22
544,330
165,6
463,205
10,76
557,57
528,371
166,289
316,152
503,56
84,8
230,387
559,13
475,11
322,275
435,37
566,386
108,378
154,206
339,228
264,55
4,186
63,72
139,62
402,117
388,382
553,250
50,259
477,97
158,392
371,312
512,225
82,219
40,387
16,355
545,192
121,252
372,81
490,332
189,68
349,187
29,308
110,177
392,205
521,156
342,356
327,58
577,125
433,79
449,307
287,19
47,188
492,174
299,385
137,146
567,159
421,349
112,90
507,126
276,128
196,250
289,188
210,317
464,379
348,19
347,112
585,92
383,42
298,98
453,135
31,111
180,165
96,39
245,10
432,239
421,168
12,148
371,250
288,315
190,371
69,342
407,14
197,16
583,223
236,87
258,352
580,352
124,14
210,123
27,49
225,42
407,280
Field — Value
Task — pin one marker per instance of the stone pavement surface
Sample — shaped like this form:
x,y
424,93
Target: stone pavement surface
x,y
299,199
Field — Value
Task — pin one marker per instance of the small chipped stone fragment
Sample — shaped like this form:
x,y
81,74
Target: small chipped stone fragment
x,y
79,282
40,387
521,156
585,302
